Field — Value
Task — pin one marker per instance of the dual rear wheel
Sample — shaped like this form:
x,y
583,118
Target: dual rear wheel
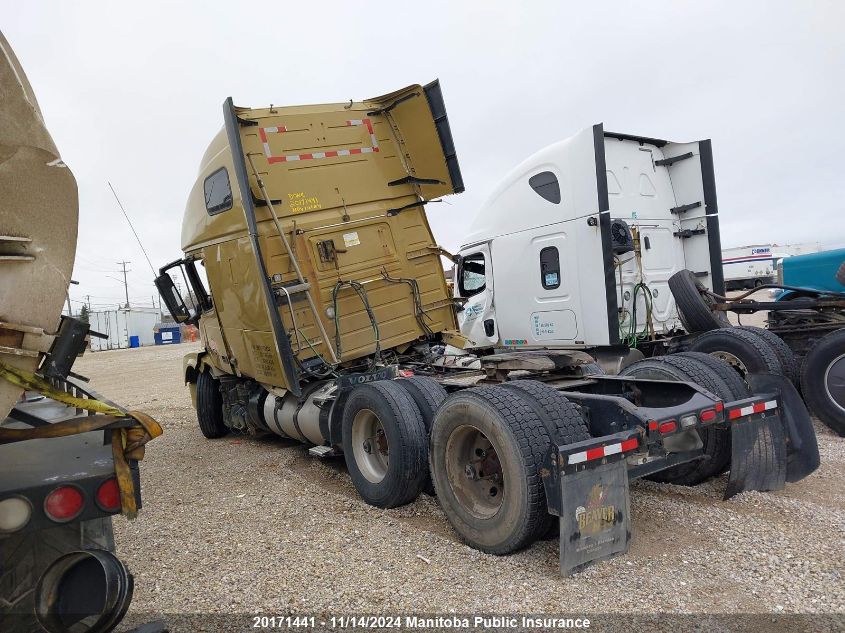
x,y
483,449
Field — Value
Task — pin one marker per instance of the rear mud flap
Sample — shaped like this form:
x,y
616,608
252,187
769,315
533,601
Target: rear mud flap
x,y
758,455
595,514
802,449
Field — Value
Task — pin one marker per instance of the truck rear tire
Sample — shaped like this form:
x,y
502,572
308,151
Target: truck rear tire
x,y
487,448
210,406
694,310
823,380
738,388
791,366
563,421
385,444
427,394
745,351
717,442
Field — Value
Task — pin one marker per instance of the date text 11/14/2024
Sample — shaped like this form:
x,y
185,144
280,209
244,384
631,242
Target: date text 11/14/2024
x,y
419,622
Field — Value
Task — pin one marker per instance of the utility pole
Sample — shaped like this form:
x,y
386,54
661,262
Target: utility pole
x,y
125,283
88,300
67,296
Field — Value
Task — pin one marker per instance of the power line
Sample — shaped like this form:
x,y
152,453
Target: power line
x,y
133,230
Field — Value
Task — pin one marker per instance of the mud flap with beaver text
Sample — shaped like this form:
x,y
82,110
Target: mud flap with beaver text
x,y
595,519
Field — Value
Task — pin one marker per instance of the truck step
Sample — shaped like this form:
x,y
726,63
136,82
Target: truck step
x,y
685,207
324,452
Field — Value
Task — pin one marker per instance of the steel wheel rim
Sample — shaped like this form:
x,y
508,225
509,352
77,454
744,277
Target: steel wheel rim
x,y
834,382
369,446
731,360
474,472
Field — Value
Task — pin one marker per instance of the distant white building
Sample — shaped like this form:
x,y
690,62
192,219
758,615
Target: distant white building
x,y
123,327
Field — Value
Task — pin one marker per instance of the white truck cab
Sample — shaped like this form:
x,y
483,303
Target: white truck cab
x,y
576,246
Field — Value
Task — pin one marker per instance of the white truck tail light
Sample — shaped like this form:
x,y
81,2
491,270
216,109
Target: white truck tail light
x,y
15,513
688,421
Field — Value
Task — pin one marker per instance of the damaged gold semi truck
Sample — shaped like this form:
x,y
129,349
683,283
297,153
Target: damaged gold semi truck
x,y
325,304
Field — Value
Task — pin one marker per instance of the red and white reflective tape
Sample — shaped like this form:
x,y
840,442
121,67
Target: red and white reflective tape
x,y
263,131
603,451
757,407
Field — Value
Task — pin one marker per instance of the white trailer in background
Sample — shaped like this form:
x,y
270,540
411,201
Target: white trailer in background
x,y
755,265
749,266
120,325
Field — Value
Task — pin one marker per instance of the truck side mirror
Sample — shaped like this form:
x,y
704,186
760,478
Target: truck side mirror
x,y
172,299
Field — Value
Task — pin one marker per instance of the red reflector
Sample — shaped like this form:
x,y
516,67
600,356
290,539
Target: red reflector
x,y
733,414
667,427
708,415
64,503
759,407
405,373
652,425
595,453
629,445
108,496
719,406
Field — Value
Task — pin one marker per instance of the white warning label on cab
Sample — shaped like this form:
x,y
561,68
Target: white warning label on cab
x,y
351,239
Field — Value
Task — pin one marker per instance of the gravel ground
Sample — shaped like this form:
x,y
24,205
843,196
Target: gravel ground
x,y
242,525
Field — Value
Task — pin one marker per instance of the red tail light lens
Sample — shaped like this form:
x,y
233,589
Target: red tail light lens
x,y
667,427
64,504
720,406
708,415
108,495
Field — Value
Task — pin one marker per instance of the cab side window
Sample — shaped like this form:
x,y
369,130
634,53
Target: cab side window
x,y
472,279
550,268
545,184
218,192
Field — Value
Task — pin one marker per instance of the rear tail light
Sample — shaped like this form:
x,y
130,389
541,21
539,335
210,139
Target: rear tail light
x,y
108,496
720,406
708,415
64,504
667,427
689,420
14,514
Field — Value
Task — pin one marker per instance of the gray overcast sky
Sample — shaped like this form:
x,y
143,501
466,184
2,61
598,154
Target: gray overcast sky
x,y
133,94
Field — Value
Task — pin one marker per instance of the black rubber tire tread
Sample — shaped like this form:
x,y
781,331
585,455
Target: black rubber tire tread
x,y
592,369
561,417
528,438
790,364
210,407
840,274
693,311
821,354
563,421
427,394
756,353
407,441
738,387
716,441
